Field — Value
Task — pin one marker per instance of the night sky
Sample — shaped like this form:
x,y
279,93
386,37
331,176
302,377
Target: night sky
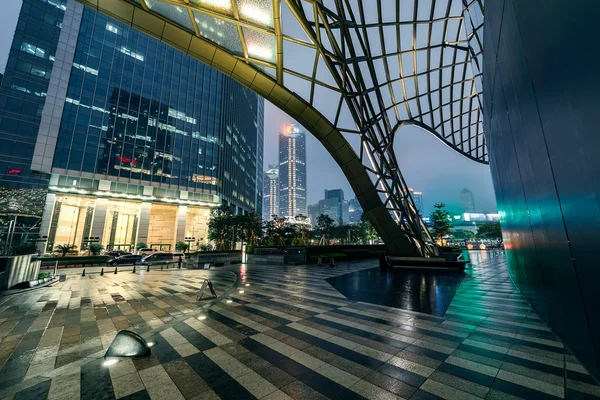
x,y
427,164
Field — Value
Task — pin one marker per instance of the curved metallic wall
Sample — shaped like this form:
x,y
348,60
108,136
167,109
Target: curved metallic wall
x,y
541,85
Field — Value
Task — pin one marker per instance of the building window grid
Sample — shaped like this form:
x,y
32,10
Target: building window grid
x,y
205,148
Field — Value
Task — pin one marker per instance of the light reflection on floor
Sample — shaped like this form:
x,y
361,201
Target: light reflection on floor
x,y
427,291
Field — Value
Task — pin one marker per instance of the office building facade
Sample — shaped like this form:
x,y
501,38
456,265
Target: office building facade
x,y
292,171
313,214
467,200
354,211
418,200
270,192
332,205
136,141
22,96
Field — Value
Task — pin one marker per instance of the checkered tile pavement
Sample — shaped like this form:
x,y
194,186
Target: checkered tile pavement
x,y
280,333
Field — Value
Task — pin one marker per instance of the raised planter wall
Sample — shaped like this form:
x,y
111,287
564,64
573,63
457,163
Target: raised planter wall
x,y
18,269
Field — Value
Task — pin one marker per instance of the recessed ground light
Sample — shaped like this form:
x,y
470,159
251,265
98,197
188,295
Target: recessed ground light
x,y
110,362
202,317
241,291
228,301
150,344
247,284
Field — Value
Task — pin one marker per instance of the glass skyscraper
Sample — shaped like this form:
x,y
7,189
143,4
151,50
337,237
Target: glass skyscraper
x,y
22,95
418,200
270,192
133,140
292,171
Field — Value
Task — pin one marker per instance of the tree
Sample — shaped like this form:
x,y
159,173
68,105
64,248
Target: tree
x,y
440,222
141,245
343,233
220,227
96,248
250,228
302,228
324,227
463,234
489,230
181,246
366,232
64,249
279,230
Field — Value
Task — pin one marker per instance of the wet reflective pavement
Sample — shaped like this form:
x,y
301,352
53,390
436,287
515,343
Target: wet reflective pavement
x,y
283,333
426,291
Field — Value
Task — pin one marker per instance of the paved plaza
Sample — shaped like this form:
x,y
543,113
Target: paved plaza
x,y
280,332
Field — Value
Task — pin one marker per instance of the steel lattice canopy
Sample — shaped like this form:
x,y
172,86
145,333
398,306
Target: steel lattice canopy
x,y
351,71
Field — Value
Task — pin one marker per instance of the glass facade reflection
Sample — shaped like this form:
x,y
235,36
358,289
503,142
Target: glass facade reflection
x,y
139,110
22,94
128,141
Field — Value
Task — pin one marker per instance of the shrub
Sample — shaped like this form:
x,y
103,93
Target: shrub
x,y
182,246
96,248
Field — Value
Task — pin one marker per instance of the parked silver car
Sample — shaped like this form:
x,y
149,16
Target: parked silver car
x,y
159,258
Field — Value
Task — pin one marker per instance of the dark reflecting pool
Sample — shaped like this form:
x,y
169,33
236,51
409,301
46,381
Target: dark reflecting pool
x,y
426,291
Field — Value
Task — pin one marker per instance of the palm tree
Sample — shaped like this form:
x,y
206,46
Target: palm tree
x,y
65,248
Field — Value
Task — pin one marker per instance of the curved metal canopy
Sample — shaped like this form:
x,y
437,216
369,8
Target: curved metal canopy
x,y
350,71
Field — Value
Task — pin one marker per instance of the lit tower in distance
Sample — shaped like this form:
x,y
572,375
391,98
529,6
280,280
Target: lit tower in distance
x,y
270,192
418,199
467,200
292,171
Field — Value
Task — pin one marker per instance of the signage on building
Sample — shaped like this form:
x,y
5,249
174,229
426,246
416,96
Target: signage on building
x,y
91,239
127,160
14,171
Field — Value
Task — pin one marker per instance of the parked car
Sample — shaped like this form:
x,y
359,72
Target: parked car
x,y
179,254
145,252
117,253
126,259
159,258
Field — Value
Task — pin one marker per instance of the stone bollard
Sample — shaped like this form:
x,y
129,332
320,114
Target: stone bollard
x,y
83,274
133,268
115,270
102,272
148,269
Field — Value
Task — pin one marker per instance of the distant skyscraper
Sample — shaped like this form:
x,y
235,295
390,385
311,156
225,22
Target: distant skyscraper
x,y
292,171
332,205
345,212
418,199
354,211
270,192
313,214
467,201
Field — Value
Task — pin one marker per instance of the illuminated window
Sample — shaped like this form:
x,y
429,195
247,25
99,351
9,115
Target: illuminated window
x,y
33,50
111,28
